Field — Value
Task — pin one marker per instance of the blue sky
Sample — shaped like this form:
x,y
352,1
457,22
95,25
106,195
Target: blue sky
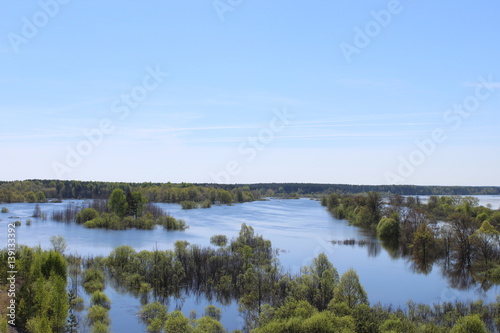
x,y
352,119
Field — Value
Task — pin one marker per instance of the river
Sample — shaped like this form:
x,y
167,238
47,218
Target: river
x,y
301,228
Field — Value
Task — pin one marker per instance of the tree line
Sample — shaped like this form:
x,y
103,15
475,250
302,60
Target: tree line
x,y
22,191
39,190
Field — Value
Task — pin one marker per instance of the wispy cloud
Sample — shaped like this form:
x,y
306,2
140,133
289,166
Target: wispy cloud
x,y
494,84
261,125
372,83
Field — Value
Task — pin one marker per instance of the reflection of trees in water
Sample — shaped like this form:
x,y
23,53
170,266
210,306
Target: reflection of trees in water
x,y
392,248
458,276
374,249
373,246
421,266
456,273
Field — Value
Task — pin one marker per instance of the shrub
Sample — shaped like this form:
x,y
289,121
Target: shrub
x,y
77,304
206,204
100,298
97,313
93,279
218,240
171,223
469,324
186,204
388,229
213,312
86,214
5,210
100,327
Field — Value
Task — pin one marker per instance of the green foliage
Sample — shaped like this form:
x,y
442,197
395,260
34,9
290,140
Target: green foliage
x,y
97,313
303,317
171,223
42,299
136,204
469,324
350,291
396,325
100,327
93,280
86,214
218,240
128,211
388,229
328,323
153,311
30,197
317,282
107,221
77,304
121,257
100,298
59,243
213,312
299,309
118,203
360,210
177,323
208,325
40,197
5,210
188,204
39,325
423,242
206,204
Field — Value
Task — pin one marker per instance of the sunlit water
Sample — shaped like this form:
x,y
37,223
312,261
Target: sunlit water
x,y
300,228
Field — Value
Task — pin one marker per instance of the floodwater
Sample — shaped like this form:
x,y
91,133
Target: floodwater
x,y
300,228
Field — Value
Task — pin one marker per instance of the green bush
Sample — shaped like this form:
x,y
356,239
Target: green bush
x,y
93,280
206,204
388,229
100,327
171,223
469,324
213,312
86,214
97,313
5,210
100,298
187,204
218,240
77,304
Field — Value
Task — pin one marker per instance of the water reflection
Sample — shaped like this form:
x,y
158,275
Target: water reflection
x,y
301,228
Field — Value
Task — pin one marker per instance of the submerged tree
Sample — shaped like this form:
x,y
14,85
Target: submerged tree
x,y
118,203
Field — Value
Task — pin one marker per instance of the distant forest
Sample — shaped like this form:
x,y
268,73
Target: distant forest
x,y
40,190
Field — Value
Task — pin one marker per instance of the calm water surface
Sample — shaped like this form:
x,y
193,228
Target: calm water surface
x,y
300,228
